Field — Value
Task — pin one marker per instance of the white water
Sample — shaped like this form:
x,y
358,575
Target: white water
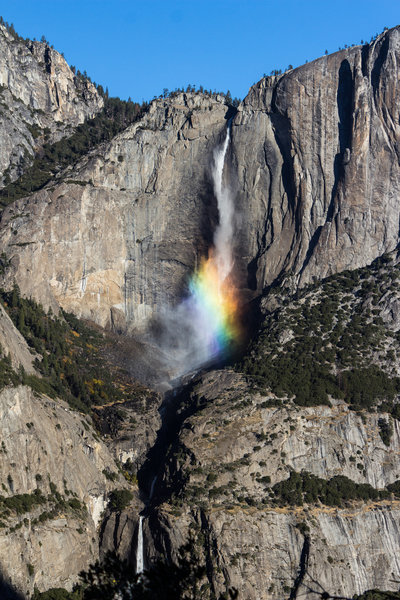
x,y
185,339
139,551
224,233
152,487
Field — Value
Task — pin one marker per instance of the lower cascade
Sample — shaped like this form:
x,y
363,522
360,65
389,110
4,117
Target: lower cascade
x,y
139,551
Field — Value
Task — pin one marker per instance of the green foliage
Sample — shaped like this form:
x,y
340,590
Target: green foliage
x,y
120,499
394,488
22,503
75,504
115,116
34,130
73,364
191,89
307,488
364,387
183,580
385,430
325,342
57,594
7,374
4,263
128,470
303,528
54,504
109,474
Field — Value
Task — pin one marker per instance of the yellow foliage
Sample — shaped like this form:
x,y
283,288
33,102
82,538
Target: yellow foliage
x,y
130,477
93,384
89,386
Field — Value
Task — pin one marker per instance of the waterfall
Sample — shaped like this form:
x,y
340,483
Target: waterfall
x,y
139,550
152,487
205,325
223,236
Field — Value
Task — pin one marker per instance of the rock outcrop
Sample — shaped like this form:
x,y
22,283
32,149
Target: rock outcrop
x,y
46,539
41,101
316,152
216,485
13,344
313,162
134,218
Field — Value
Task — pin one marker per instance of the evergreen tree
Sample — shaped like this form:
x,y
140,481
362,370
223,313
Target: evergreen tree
x,y
114,578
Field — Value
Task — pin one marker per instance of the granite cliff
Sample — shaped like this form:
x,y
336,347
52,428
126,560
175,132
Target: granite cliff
x,y
283,470
314,164
134,218
218,485
54,491
41,100
323,164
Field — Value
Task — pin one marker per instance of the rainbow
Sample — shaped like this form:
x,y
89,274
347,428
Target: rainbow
x,y
205,326
214,305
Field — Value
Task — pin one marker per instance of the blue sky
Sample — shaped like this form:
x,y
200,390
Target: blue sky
x,y
139,47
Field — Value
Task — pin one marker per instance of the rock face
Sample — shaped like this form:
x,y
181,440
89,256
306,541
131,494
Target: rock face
x,y
46,446
317,157
314,165
313,162
40,100
217,479
260,553
130,428
12,343
134,221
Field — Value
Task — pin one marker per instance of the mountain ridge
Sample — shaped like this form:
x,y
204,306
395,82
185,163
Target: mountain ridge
x,y
280,468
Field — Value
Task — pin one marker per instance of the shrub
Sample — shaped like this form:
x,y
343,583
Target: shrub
x,y
385,430
108,474
306,487
120,499
73,365
22,503
114,117
57,594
